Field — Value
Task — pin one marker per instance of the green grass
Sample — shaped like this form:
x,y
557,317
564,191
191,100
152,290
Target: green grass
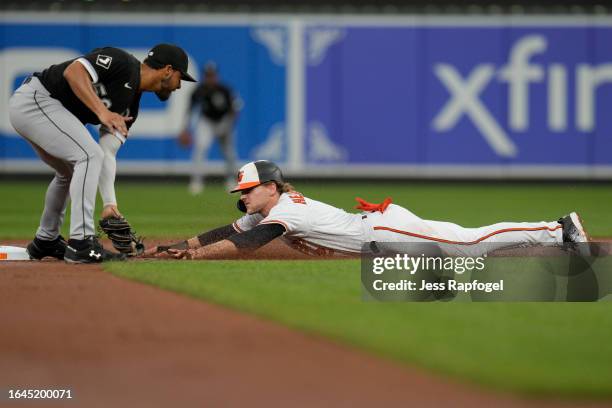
x,y
167,210
561,349
154,209
544,348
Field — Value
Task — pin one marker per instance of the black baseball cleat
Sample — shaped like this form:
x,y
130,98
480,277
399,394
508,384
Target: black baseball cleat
x,y
89,250
573,230
40,248
575,235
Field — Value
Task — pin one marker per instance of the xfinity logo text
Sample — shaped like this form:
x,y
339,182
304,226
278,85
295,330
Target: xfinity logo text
x,y
520,74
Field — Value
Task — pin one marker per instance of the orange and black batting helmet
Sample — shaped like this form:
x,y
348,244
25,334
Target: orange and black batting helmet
x,y
255,173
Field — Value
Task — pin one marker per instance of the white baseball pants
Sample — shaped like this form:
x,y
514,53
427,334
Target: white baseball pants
x,y
398,224
205,133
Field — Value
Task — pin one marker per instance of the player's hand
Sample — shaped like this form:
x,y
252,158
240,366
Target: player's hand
x,y
111,211
181,253
115,122
163,254
159,252
150,252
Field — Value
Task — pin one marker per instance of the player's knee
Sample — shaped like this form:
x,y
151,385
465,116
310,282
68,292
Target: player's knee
x,y
95,154
64,173
92,154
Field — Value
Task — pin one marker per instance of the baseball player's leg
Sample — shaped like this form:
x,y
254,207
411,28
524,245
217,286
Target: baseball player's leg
x,y
226,140
46,123
56,198
397,224
203,140
497,236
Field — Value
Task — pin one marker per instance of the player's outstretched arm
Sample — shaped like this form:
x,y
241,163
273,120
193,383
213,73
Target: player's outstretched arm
x,y
218,250
206,238
239,244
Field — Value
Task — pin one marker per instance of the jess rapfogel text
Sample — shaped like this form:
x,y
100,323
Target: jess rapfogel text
x,y
452,285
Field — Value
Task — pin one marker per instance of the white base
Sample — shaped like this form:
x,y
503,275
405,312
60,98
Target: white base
x,y
12,253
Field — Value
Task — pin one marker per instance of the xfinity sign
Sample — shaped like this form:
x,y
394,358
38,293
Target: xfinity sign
x,y
401,96
520,75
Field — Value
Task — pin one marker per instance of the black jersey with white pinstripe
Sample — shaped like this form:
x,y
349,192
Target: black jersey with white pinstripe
x,y
115,76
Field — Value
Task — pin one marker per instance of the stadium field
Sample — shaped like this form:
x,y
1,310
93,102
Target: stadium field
x,y
556,349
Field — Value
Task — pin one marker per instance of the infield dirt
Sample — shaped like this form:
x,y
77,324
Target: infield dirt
x,y
119,343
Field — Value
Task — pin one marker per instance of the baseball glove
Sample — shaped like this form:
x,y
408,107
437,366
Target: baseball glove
x,y
120,232
185,140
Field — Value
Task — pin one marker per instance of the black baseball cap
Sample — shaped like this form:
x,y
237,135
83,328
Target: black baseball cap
x,y
169,54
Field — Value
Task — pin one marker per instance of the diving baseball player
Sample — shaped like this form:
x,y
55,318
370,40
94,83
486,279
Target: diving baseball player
x,y
50,110
274,209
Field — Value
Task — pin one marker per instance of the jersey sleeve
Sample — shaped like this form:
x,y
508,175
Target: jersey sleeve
x,y
257,237
104,63
247,222
291,214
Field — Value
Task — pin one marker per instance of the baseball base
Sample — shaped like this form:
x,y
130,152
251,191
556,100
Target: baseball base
x,y
12,253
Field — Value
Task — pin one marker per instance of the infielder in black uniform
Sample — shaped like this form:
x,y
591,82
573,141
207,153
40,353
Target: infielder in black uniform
x,y
211,116
50,111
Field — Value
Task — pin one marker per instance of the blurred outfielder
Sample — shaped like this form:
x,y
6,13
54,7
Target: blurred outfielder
x,y
212,115
273,209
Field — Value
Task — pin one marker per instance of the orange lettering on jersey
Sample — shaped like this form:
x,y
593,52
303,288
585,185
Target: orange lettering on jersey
x,y
297,198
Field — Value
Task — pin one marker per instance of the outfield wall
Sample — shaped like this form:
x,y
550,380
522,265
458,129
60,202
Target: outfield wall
x,y
410,96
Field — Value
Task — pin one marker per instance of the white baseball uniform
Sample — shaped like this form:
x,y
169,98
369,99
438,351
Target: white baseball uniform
x,y
317,228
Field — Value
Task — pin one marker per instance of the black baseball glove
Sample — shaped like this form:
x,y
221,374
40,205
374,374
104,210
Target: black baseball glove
x,y
122,236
